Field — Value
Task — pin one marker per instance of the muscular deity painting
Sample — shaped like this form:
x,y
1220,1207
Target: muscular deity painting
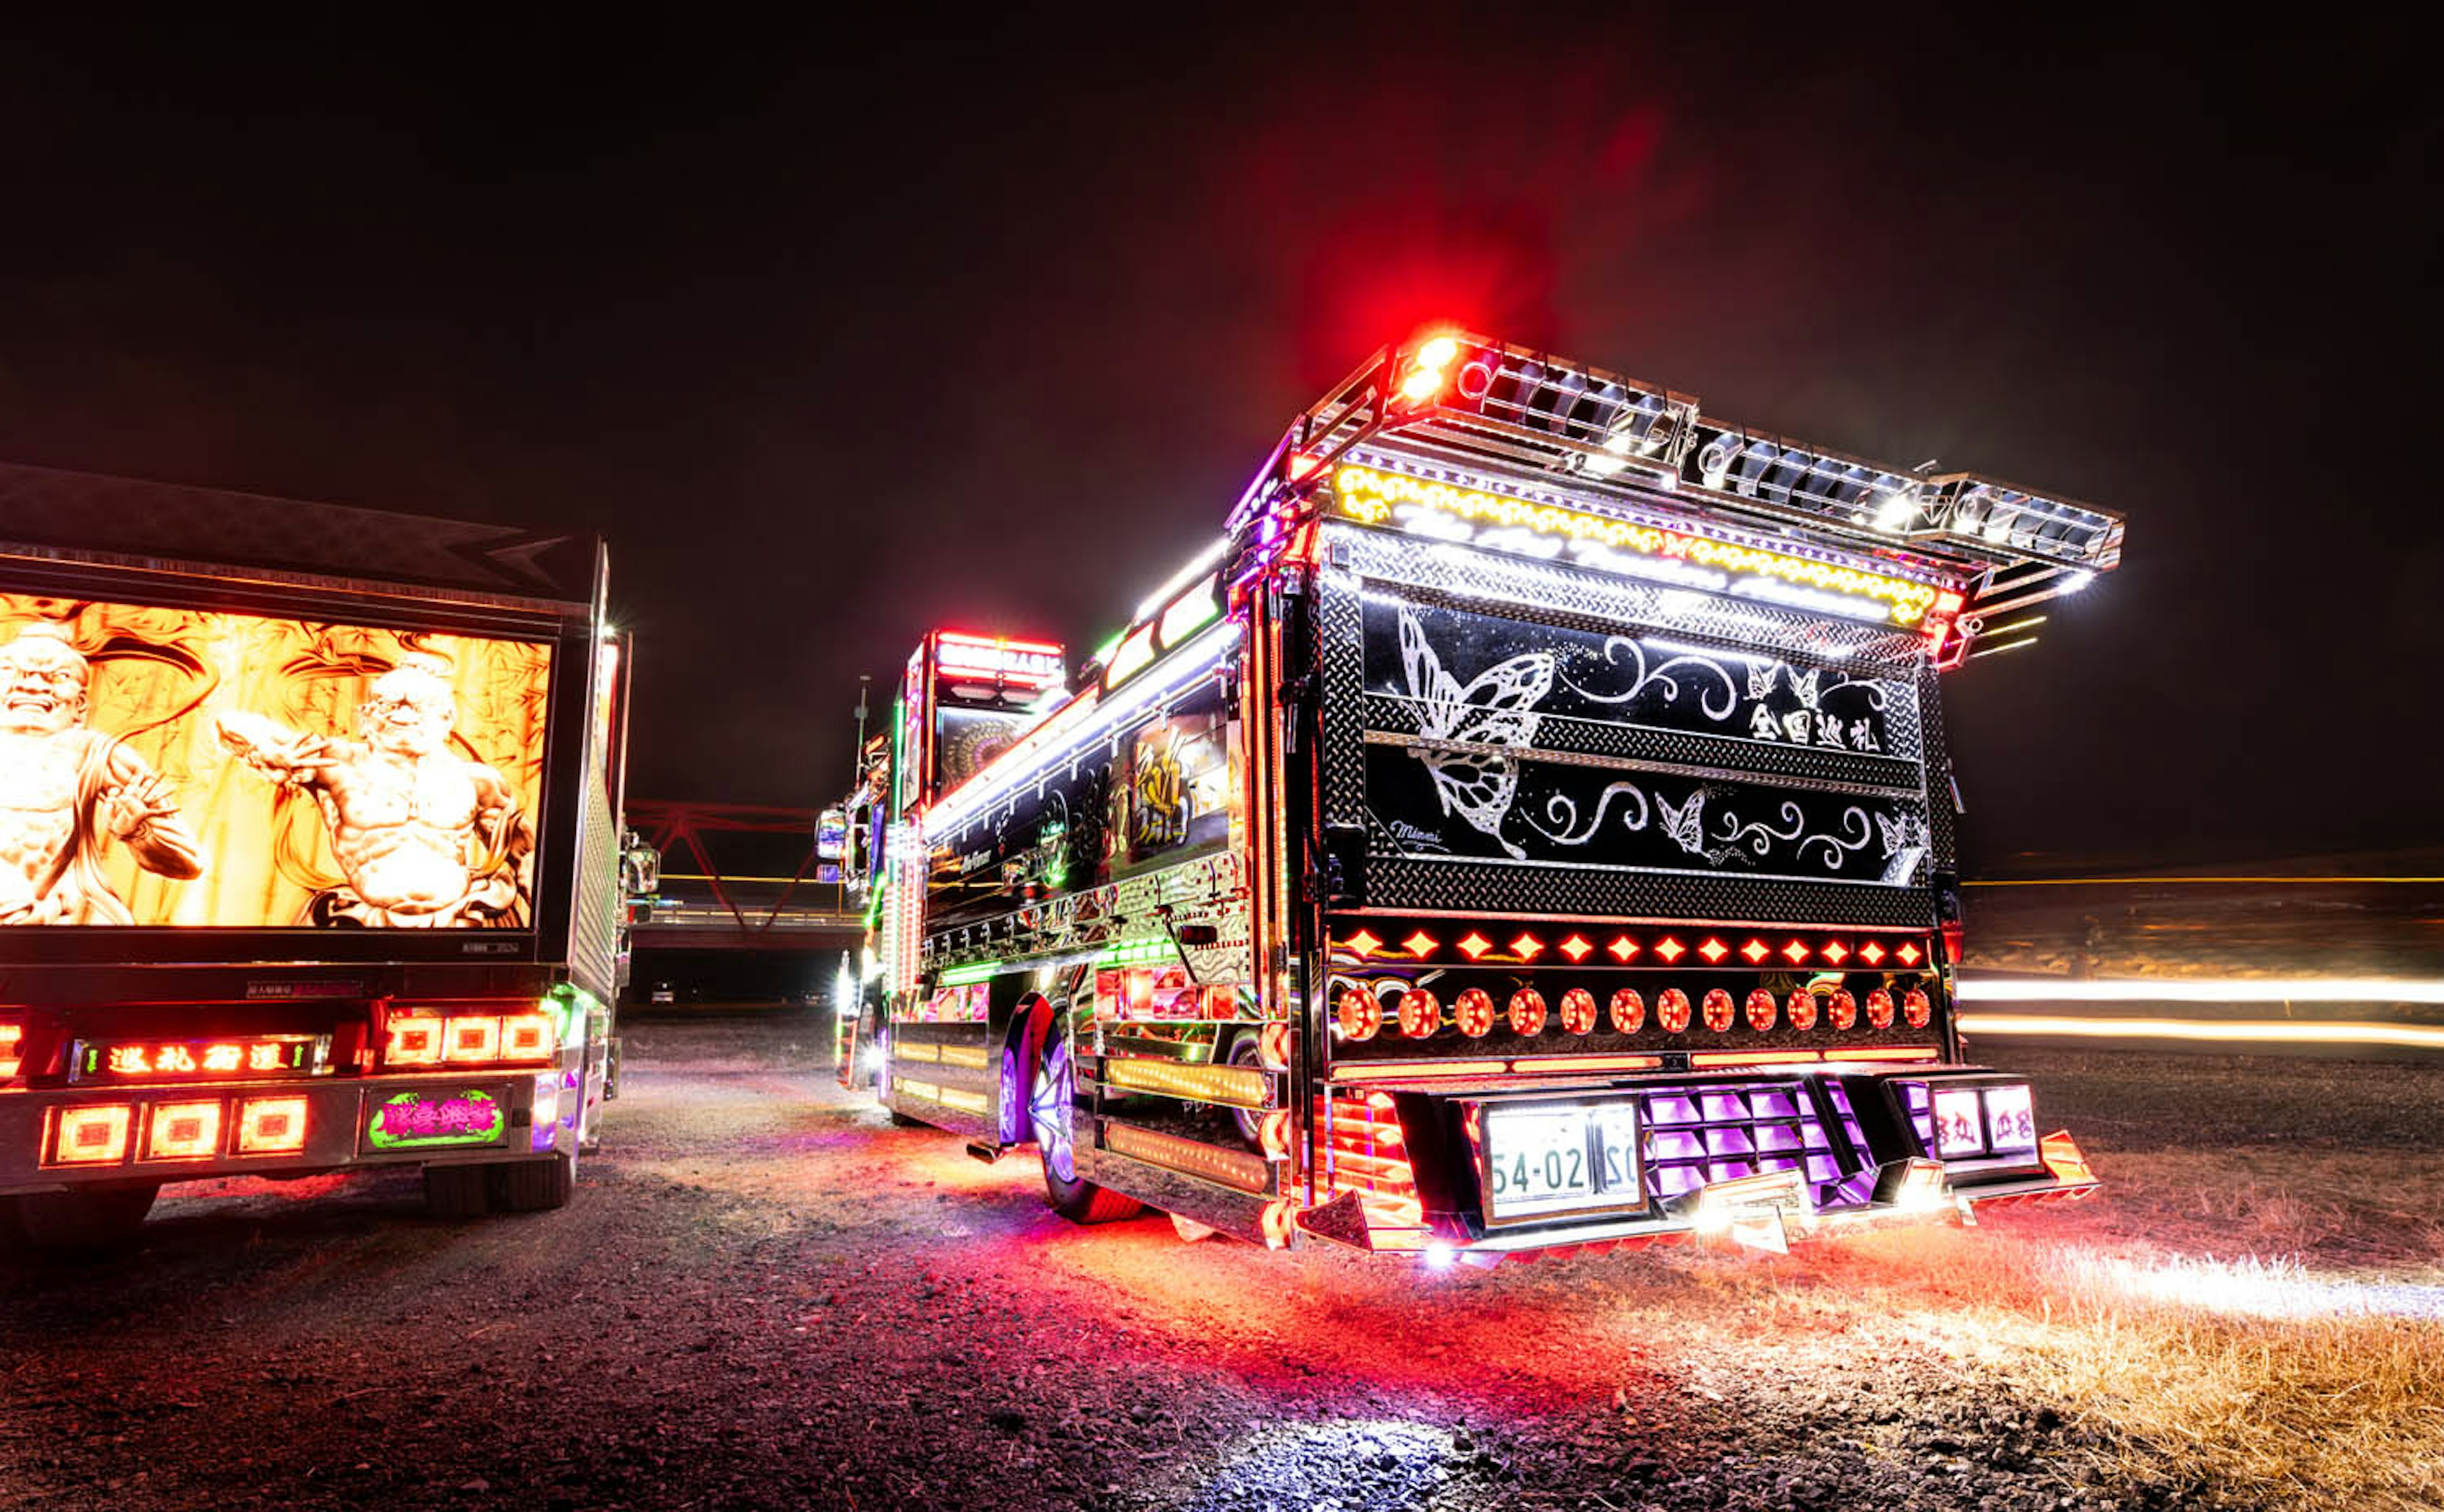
x,y
182,767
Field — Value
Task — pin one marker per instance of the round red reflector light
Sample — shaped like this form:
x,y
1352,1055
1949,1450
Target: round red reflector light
x,y
1528,1011
1421,1013
1918,1009
1718,1009
1843,1011
1879,1008
1671,1011
1628,1011
1360,1014
1761,1009
1474,1012
1802,1008
1578,1010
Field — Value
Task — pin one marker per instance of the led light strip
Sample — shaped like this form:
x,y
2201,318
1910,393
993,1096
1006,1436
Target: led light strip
x,y
947,1096
2262,1031
1037,750
1373,495
1885,1052
1394,1070
1238,1086
2218,989
1228,1167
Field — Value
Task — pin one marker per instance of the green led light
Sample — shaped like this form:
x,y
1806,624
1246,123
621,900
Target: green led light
x,y
979,971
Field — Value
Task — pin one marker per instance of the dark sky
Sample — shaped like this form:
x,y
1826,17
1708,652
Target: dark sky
x,y
838,336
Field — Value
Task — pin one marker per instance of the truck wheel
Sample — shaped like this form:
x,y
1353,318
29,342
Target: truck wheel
x,y
455,1192
103,1218
1048,1104
1249,1122
532,1186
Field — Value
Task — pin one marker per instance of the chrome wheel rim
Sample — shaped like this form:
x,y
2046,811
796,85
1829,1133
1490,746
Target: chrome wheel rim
x,y
1048,1110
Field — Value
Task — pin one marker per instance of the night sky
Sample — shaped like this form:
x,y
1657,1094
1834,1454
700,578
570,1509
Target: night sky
x,y
837,337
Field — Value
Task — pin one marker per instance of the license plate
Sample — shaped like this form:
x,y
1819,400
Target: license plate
x,y
1542,1159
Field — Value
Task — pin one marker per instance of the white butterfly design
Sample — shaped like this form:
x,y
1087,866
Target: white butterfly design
x,y
1761,679
1492,710
1687,824
1804,687
1900,832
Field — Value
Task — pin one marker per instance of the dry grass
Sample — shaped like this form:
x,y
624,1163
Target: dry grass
x,y
2249,1378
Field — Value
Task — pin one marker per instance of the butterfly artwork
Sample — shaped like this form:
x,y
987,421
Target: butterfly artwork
x,y
1804,687
1905,841
1686,824
1761,679
1492,710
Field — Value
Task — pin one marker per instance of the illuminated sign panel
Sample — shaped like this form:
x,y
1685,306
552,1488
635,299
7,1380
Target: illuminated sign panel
x,y
1022,663
201,770
197,1059
1532,528
420,1121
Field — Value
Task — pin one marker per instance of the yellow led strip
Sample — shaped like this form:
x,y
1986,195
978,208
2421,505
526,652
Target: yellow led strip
x,y
1394,1070
971,1056
1369,496
947,1096
1228,1168
1238,1086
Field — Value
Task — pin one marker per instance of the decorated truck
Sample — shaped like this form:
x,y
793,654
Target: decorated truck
x,y
1526,827
310,818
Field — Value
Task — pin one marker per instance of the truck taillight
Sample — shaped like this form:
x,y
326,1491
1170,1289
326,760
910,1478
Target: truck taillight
x,y
475,1037
182,1130
529,1037
92,1136
12,1039
460,1039
271,1126
414,1041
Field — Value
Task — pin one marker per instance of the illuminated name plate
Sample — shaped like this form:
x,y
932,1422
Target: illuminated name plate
x,y
426,1120
1532,528
236,1059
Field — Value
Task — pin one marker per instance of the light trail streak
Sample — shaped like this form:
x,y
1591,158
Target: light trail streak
x,y
2151,882
2258,1031
2202,989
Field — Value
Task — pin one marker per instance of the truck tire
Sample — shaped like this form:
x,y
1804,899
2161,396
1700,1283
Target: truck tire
x,y
532,1186
95,1218
1050,1100
455,1192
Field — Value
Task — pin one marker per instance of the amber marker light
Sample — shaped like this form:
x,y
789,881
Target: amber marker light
x,y
182,1130
1591,1062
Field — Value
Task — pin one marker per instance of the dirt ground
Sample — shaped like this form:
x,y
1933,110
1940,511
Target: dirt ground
x,y
765,1296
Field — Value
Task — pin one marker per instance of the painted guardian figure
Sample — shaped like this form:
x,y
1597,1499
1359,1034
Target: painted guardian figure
x,y
67,791
426,839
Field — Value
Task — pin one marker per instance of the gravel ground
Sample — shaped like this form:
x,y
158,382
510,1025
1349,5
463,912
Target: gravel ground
x,y
767,1296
